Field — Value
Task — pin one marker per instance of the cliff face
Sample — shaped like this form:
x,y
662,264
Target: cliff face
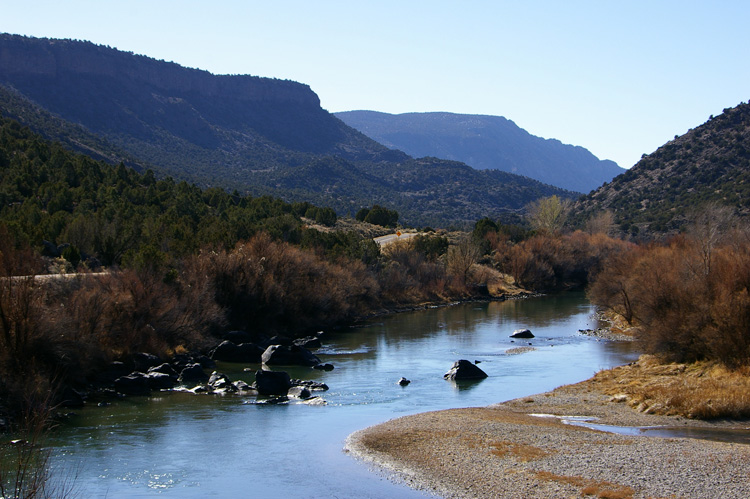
x,y
258,135
21,57
147,107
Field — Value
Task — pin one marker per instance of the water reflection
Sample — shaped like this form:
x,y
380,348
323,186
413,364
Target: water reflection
x,y
185,445
739,436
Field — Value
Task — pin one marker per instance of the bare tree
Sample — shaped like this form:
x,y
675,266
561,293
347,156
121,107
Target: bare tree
x,y
709,225
461,257
601,223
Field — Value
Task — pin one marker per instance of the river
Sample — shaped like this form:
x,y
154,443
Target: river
x,y
182,445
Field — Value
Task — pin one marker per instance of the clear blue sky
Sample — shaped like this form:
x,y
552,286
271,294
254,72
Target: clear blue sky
x,y
619,78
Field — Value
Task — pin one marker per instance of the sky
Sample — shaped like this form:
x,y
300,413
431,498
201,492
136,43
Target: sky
x,y
619,78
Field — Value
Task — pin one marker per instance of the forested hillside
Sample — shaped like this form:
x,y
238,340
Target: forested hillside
x,y
259,136
98,214
486,142
709,164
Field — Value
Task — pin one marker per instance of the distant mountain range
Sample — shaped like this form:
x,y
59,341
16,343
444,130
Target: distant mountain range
x,y
257,135
708,164
486,142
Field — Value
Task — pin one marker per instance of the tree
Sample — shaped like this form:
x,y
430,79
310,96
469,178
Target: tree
x,y
379,215
548,214
709,225
461,257
601,223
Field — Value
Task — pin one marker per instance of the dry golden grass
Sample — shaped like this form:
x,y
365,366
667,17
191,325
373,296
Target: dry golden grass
x,y
702,390
521,452
599,489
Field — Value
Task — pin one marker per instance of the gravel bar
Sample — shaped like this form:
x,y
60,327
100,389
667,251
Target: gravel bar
x,y
505,451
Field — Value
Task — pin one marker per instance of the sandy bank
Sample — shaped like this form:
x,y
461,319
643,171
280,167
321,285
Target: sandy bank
x,y
504,451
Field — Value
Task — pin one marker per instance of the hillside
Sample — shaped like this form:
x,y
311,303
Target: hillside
x,y
486,142
257,135
710,163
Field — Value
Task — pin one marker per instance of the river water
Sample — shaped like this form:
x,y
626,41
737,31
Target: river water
x,y
182,445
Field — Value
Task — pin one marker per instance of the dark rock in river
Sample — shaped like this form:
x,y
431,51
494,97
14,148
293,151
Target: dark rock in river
x,y
164,369
312,385
279,340
521,333
463,369
299,392
308,342
272,382
193,373
161,381
238,337
241,386
219,381
324,367
133,384
229,352
281,355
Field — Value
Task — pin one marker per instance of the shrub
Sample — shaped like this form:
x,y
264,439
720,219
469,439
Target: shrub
x,y
273,286
689,299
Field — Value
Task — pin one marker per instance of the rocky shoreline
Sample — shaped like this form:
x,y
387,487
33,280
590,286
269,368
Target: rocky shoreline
x,y
506,450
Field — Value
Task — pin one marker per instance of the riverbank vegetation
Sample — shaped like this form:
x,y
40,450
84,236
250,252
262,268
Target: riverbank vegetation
x,y
688,297
699,390
165,268
152,265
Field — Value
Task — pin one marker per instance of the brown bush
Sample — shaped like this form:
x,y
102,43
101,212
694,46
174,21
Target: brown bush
x,y
689,303
273,286
408,276
547,262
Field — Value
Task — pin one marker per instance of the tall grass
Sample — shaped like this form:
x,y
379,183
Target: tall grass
x,y
27,470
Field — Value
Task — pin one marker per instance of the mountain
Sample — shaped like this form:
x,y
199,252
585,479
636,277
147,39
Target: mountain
x,y
486,142
260,136
708,164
